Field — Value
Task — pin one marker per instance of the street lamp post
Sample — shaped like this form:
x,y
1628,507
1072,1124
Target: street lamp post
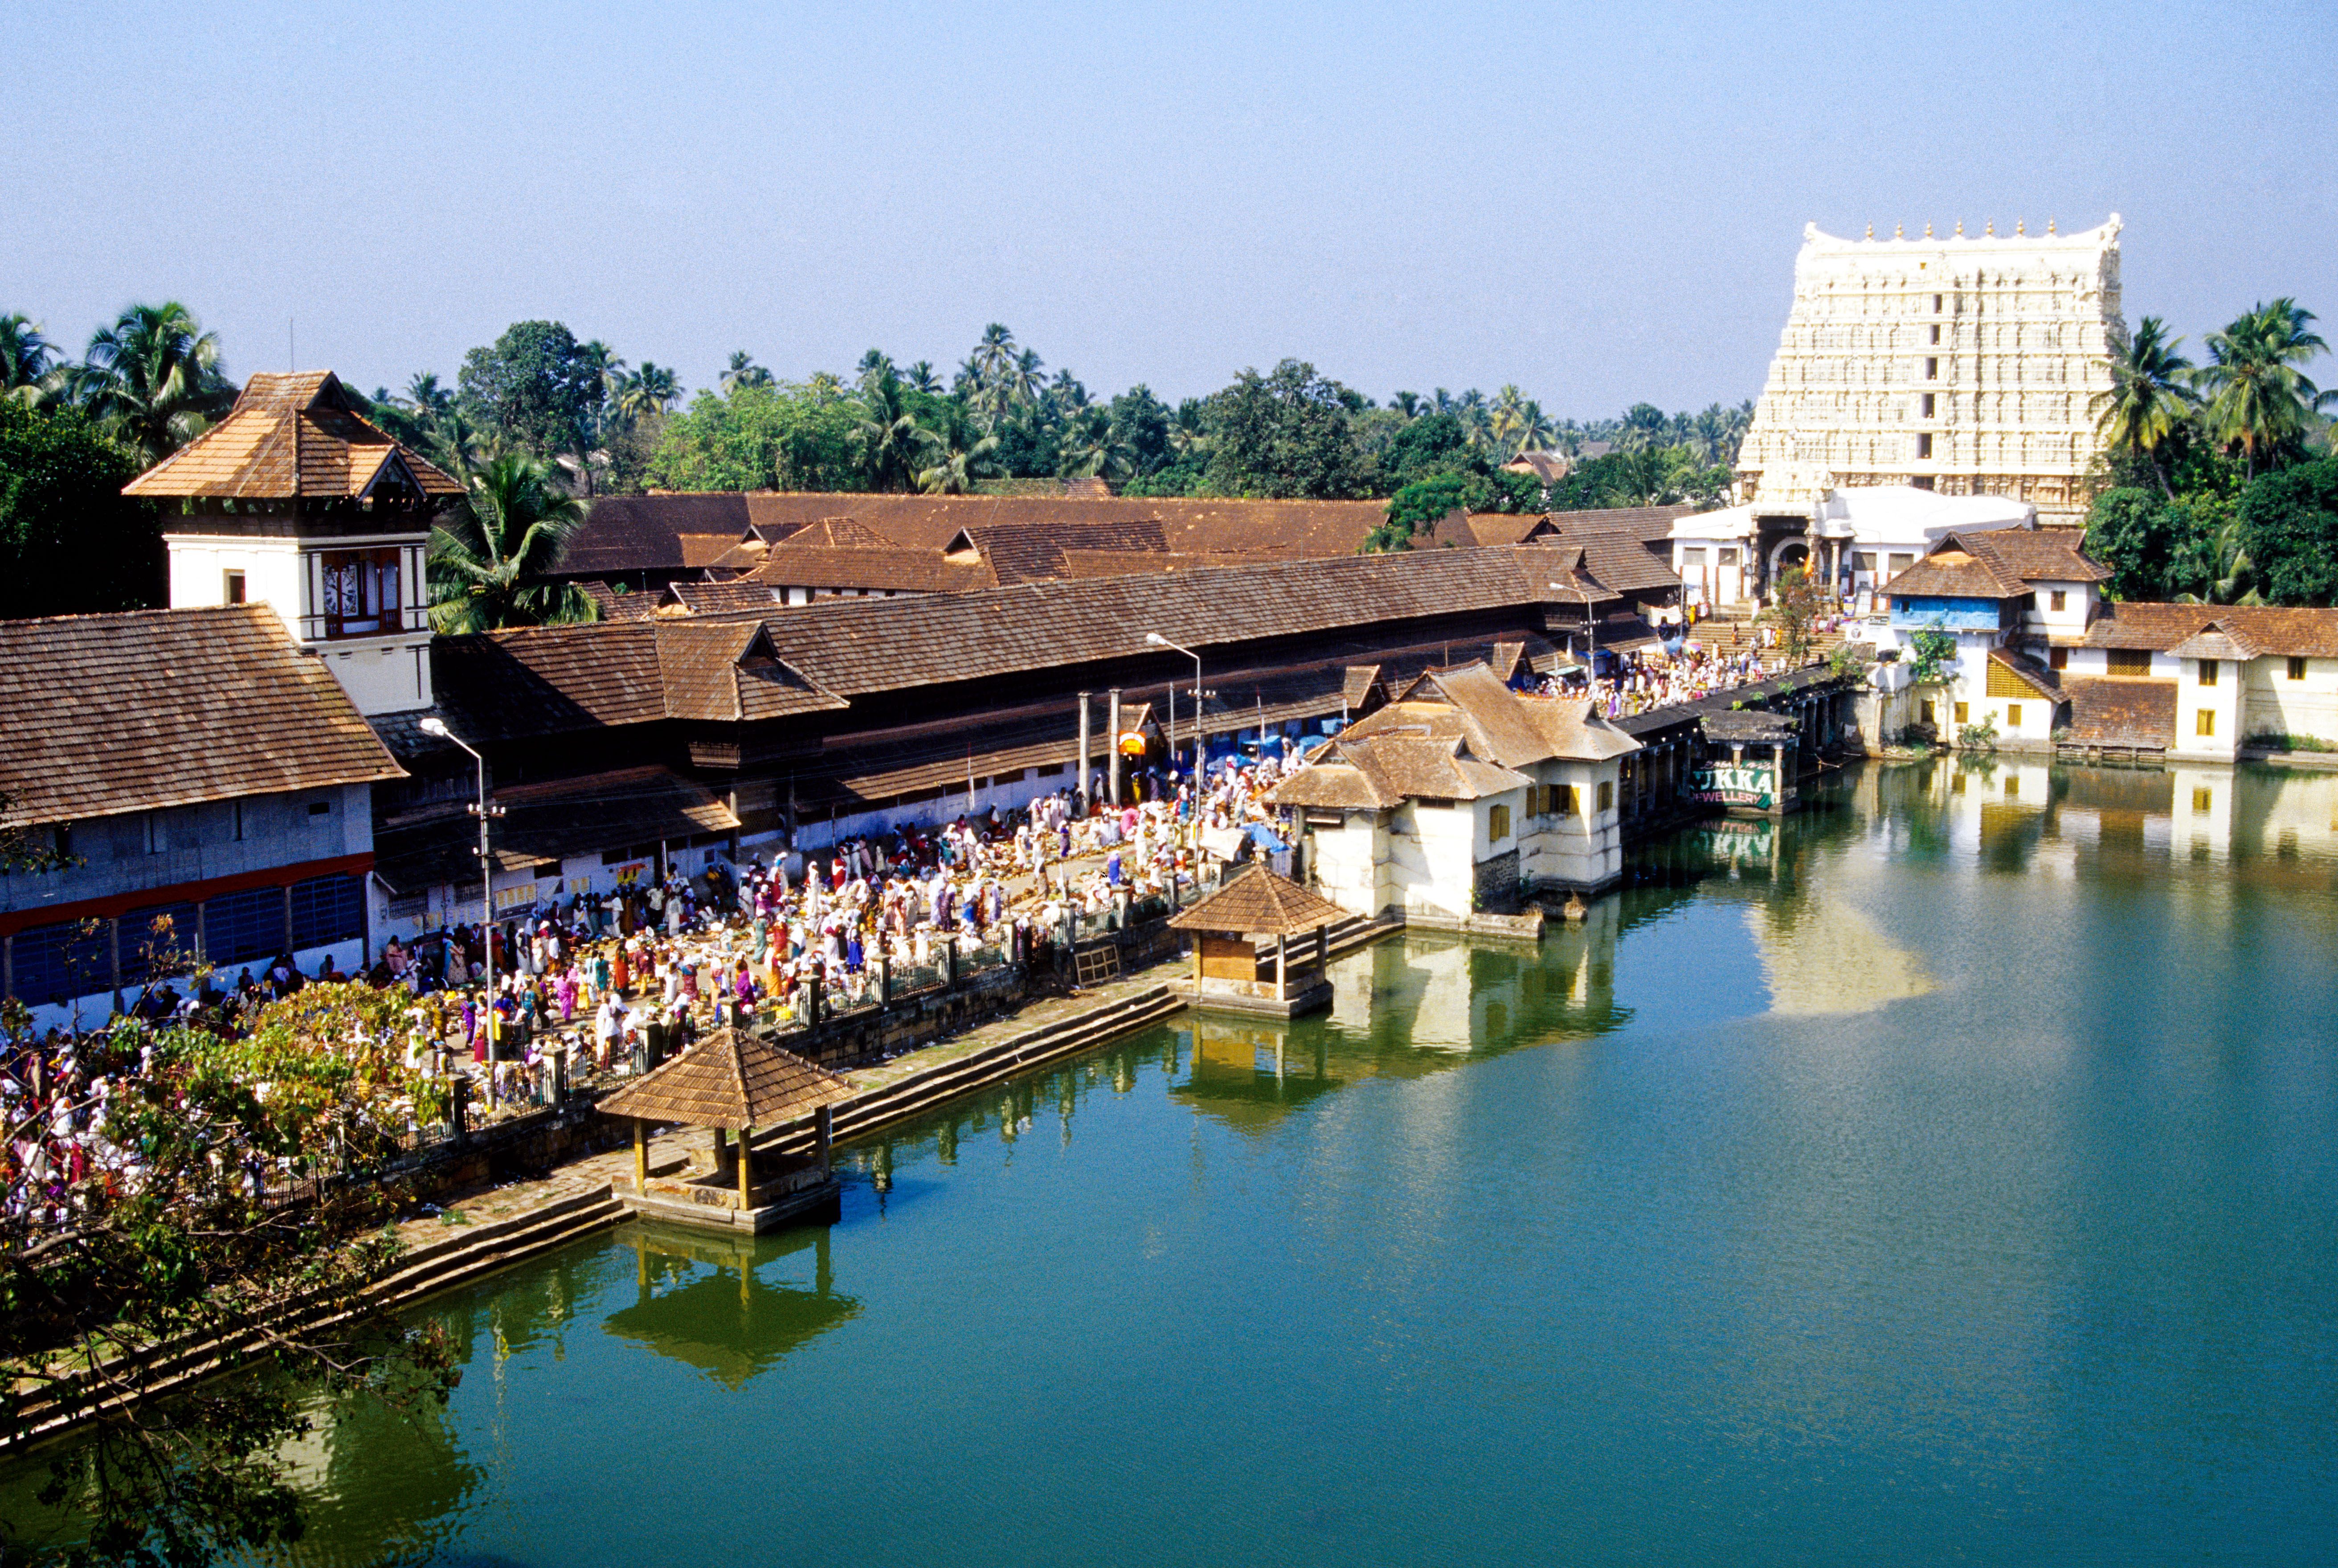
x,y
1158,641
435,725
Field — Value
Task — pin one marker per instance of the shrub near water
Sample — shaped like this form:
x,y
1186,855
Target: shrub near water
x,y
179,1230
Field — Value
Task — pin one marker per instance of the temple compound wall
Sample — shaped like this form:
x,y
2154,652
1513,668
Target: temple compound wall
x,y
1964,366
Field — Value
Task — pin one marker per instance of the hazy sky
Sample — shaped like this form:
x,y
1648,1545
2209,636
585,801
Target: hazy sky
x,y
1600,203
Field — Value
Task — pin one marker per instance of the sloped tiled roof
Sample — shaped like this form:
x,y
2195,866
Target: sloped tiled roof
x,y
725,671
2031,555
792,565
623,533
291,435
1021,552
616,606
1951,574
1255,901
721,598
837,533
2119,711
2024,674
105,714
2279,630
2218,640
1286,530
732,1078
1504,727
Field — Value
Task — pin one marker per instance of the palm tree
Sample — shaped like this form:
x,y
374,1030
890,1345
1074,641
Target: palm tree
x,y
2231,574
921,378
874,364
28,362
744,372
994,356
1024,382
888,436
2149,398
957,458
155,378
488,562
652,390
2258,400
1407,404
1189,430
1089,449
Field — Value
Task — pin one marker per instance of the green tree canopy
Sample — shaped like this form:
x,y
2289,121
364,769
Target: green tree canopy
x,y
2149,399
1285,434
536,387
71,542
767,436
2259,401
2288,525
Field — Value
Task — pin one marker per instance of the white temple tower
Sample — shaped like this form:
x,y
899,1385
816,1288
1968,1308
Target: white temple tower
x,y
1963,365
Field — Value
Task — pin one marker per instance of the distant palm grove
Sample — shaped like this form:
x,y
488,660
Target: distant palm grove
x,y
2215,482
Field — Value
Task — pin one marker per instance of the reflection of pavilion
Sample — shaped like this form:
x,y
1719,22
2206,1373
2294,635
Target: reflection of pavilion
x,y
1410,1006
728,1323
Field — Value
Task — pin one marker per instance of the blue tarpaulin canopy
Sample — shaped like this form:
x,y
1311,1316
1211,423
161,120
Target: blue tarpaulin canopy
x,y
1264,837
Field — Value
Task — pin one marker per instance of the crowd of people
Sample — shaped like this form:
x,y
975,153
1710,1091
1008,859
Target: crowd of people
x,y
602,983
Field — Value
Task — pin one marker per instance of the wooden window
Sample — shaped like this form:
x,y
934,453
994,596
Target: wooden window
x,y
2058,599
361,598
1562,799
231,590
2207,674
2297,669
2127,660
2058,658
1964,712
1497,823
2204,722
2013,715
1606,796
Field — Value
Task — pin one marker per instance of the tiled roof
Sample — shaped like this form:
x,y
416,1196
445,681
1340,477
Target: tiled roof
x,y
2120,710
1953,574
2030,554
1550,467
793,565
546,822
840,532
105,714
859,645
616,606
1503,726
645,533
1021,552
2278,631
1753,726
730,1078
1255,901
1286,530
721,598
2218,640
551,680
291,435
1651,525
2022,673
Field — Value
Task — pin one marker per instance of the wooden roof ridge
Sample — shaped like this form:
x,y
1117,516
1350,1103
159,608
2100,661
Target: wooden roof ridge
x,y
730,1078
1257,901
255,449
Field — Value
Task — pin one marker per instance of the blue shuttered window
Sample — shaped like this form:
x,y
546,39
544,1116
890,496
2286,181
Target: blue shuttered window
x,y
326,910
241,927
58,962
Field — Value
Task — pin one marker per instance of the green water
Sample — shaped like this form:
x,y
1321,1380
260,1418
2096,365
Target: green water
x,y
1946,1176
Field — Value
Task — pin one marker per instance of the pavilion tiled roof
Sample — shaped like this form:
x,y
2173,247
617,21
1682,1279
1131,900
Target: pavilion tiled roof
x,y
616,606
1283,530
106,714
730,1078
837,533
291,435
1255,901
1021,552
721,598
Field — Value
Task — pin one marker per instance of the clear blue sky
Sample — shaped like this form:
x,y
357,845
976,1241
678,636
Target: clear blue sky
x,y
1600,203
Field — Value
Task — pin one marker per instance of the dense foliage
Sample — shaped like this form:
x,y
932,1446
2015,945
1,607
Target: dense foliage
x,y
70,542
2219,487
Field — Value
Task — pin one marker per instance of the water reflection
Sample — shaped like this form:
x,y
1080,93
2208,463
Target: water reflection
x,y
700,1300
